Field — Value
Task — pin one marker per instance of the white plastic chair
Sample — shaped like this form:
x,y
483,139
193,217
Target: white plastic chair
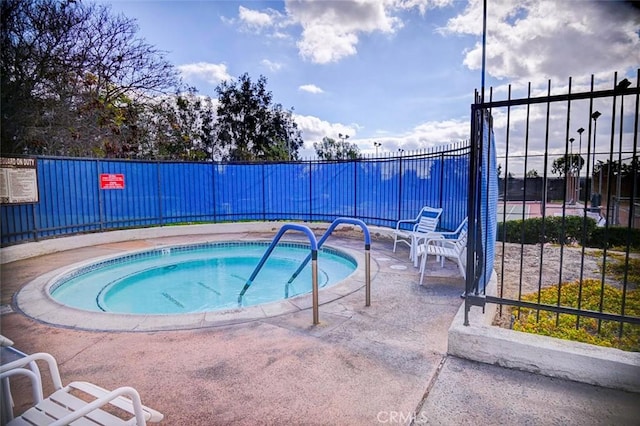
x,y
447,235
63,407
442,248
425,223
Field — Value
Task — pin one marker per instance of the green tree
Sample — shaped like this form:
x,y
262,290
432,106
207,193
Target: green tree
x,y
533,173
250,127
329,149
567,163
72,77
626,169
183,128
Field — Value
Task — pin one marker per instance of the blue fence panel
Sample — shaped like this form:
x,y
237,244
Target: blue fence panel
x,y
138,203
186,192
287,188
52,205
455,190
239,192
17,224
378,191
222,182
390,183
69,200
488,202
332,192
421,181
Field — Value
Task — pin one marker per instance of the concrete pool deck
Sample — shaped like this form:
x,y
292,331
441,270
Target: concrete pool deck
x,y
383,364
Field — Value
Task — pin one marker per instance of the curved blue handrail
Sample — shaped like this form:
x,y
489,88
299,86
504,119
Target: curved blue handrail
x,y
272,246
327,233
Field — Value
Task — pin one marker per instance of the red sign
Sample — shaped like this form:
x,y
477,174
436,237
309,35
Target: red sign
x,y
111,181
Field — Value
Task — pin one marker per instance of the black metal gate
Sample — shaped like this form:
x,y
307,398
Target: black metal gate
x,y
567,173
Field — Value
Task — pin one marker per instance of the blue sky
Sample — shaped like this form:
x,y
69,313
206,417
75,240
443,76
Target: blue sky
x,y
398,72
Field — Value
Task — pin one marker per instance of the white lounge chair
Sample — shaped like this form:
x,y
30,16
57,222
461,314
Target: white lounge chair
x,y
64,406
442,248
410,230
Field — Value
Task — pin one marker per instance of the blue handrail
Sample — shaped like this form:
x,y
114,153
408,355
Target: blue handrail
x,y
272,246
325,236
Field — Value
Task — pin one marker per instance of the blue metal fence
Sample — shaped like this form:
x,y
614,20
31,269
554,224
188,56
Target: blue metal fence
x,y
380,191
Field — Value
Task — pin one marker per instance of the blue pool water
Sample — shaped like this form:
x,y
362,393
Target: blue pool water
x,y
196,278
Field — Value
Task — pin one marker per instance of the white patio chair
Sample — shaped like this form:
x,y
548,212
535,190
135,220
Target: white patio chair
x,y
447,235
64,406
425,223
442,248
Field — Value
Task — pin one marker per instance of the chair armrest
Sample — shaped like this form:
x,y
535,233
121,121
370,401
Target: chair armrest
x,y
126,398
427,237
36,381
404,221
440,241
449,234
40,356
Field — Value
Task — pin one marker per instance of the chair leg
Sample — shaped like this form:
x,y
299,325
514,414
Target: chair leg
x,y
463,271
413,253
423,265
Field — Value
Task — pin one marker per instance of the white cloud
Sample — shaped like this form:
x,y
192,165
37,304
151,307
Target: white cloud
x,y
254,19
322,45
311,88
441,132
211,73
331,28
422,137
421,5
268,21
535,40
427,135
314,129
271,66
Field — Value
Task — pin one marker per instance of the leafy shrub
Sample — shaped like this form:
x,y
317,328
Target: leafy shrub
x,y
549,230
614,237
566,326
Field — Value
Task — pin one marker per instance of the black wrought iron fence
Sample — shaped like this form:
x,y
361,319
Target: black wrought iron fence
x,y
568,250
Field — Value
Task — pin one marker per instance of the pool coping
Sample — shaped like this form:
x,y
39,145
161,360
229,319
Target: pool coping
x,y
34,301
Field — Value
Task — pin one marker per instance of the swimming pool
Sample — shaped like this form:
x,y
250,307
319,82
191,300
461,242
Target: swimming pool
x,y
195,278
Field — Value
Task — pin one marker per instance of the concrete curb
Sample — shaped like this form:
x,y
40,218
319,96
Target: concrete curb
x,y
580,362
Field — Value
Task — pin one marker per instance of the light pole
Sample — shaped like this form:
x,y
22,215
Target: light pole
x,y
600,167
377,145
571,167
595,116
342,146
580,130
400,151
622,86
